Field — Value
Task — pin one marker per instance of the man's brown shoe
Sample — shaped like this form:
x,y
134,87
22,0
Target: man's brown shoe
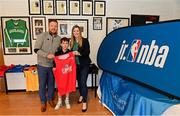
x,y
43,107
51,103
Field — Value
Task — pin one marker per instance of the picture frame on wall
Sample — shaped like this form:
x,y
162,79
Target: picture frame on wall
x,y
100,8
16,35
48,7
38,26
97,23
74,7
87,7
61,7
113,23
65,27
34,7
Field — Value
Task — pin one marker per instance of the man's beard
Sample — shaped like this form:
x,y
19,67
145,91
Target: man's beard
x,y
53,33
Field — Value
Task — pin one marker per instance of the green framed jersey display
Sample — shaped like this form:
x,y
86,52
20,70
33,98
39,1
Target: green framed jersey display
x,y
16,35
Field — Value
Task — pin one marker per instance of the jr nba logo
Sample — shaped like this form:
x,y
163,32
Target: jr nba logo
x,y
144,54
133,50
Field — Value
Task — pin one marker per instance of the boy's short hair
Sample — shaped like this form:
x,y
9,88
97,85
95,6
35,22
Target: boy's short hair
x,y
53,20
64,39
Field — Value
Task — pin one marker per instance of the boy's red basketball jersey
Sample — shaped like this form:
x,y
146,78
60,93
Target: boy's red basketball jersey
x,y
65,73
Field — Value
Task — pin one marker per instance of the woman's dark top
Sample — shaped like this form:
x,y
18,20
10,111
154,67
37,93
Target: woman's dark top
x,y
84,59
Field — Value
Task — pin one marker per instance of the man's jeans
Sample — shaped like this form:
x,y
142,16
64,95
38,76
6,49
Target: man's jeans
x,y
46,78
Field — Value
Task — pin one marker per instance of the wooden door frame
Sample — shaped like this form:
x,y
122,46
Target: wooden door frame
x,y
1,50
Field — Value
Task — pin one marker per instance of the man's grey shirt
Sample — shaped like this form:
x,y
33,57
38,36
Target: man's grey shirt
x,y
45,43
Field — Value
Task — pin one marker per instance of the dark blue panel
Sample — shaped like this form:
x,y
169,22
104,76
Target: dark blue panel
x,y
149,54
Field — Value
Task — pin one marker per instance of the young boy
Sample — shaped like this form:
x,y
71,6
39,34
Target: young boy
x,y
64,72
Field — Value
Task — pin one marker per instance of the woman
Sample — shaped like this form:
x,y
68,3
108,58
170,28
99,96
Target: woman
x,y
82,50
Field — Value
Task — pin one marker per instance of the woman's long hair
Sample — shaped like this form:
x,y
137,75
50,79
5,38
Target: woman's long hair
x,y
73,38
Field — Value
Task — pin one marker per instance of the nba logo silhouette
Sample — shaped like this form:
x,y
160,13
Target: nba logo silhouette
x,y
133,50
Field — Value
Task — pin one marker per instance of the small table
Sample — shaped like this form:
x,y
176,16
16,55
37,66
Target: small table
x,y
93,70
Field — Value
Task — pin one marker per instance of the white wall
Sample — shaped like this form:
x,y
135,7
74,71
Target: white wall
x,y
167,9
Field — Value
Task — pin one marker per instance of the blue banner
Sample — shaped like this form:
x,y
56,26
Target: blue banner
x,y
149,54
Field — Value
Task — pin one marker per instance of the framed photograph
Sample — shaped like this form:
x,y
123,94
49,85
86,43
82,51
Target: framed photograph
x,y
38,26
61,7
65,27
100,8
34,7
113,23
48,7
97,23
87,7
74,7
16,35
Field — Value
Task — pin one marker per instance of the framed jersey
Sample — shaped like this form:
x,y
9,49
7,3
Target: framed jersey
x,y
16,35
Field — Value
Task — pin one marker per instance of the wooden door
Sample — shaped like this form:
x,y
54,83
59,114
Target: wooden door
x,y
1,51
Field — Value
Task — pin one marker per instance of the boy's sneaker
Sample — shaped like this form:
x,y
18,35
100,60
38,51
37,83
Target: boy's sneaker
x,y
68,106
59,104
